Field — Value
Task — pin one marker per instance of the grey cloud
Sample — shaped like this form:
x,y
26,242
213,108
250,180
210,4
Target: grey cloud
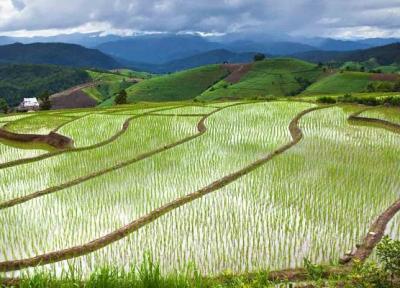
x,y
306,17
18,4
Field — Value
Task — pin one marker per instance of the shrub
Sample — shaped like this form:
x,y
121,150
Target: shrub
x,y
369,101
326,100
315,272
384,274
259,57
392,101
388,252
368,274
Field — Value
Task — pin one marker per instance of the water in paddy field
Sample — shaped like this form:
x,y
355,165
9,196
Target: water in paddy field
x,y
296,206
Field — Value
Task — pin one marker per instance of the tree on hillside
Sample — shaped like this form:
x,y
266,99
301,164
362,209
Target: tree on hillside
x,y
259,57
45,103
3,105
121,97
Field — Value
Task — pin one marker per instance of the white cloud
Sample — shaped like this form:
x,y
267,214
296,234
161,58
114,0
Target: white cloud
x,y
327,21
361,32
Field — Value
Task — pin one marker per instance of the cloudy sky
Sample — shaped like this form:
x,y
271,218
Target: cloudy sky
x,y
333,18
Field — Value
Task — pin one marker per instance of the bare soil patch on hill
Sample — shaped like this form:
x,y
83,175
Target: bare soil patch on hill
x,y
385,77
237,71
75,99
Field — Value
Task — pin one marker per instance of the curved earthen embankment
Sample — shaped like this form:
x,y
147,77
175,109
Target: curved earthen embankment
x,y
69,150
355,117
52,139
122,232
374,236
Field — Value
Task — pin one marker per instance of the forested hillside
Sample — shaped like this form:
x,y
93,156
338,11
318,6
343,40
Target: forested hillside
x,y
57,54
19,81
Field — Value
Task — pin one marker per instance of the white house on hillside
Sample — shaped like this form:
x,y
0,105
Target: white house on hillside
x,y
29,104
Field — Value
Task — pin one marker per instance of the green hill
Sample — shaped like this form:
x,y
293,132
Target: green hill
x,y
345,82
110,83
350,82
133,73
178,86
272,77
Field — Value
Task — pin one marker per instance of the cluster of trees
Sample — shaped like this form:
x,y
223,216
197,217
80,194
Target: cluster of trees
x,y
369,101
121,97
384,86
303,84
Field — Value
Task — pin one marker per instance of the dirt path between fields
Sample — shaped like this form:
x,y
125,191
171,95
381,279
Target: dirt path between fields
x,y
80,149
355,117
53,139
374,236
122,232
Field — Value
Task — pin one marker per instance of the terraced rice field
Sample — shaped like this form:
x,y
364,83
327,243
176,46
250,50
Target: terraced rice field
x,y
239,186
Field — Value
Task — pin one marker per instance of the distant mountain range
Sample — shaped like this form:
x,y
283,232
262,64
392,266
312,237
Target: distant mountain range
x,y
88,40
168,53
171,53
157,49
162,48
57,54
217,56
384,55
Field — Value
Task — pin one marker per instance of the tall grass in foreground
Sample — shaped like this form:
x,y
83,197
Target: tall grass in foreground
x,y
146,275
